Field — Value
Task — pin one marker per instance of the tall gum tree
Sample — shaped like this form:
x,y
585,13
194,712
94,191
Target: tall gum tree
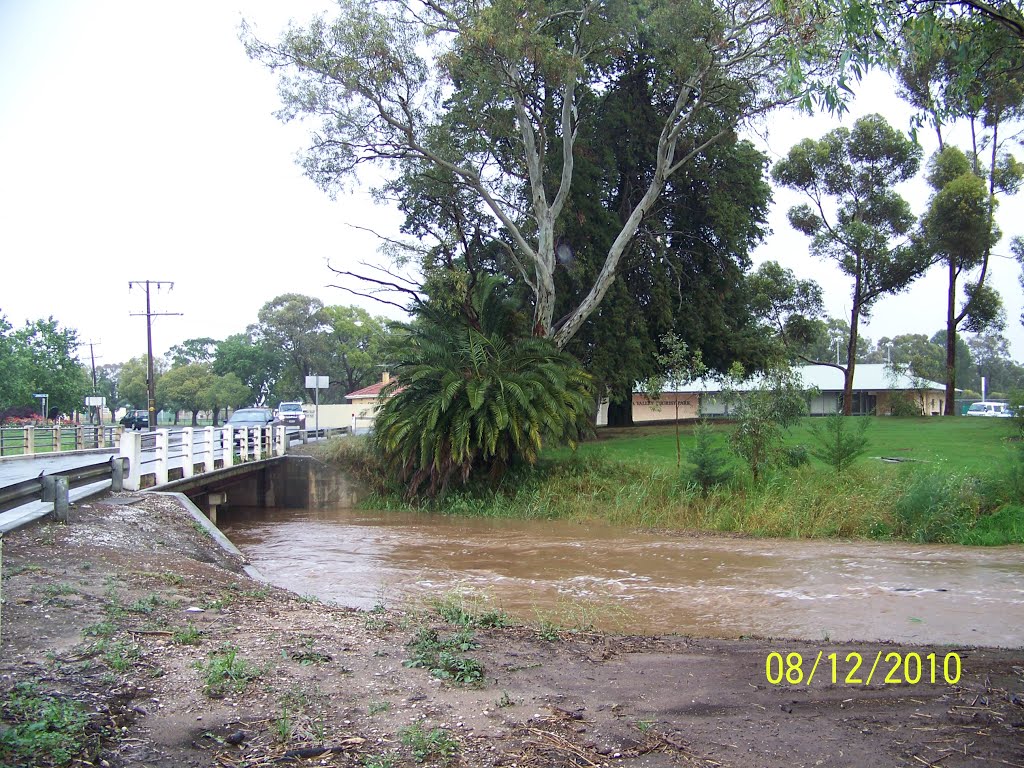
x,y
853,172
491,94
958,230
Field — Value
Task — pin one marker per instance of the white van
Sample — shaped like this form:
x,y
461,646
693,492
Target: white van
x,y
984,408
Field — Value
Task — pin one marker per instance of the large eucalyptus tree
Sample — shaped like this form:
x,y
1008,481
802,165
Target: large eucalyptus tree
x,y
492,96
854,172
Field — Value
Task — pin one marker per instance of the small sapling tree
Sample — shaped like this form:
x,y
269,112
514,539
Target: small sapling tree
x,y
838,443
679,367
711,464
767,406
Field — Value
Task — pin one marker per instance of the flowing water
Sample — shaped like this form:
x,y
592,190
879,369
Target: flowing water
x,y
640,582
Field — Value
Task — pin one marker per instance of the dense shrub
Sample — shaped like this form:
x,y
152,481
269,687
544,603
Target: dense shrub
x,y
904,405
937,506
19,414
795,455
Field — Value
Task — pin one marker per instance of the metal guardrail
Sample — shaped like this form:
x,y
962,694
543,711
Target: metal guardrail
x,y
54,487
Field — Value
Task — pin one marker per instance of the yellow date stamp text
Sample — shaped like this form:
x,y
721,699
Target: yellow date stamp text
x,y
886,668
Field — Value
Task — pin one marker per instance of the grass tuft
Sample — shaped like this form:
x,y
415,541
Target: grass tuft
x,y
41,729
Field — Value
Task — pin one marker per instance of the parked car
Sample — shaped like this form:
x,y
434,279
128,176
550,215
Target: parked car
x,y
992,409
135,420
249,419
292,413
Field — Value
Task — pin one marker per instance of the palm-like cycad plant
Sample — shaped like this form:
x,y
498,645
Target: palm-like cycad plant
x,y
470,395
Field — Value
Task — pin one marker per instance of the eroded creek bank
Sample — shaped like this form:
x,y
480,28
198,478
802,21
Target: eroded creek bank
x,y
132,611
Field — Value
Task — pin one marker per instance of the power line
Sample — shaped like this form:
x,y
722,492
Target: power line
x,y
149,314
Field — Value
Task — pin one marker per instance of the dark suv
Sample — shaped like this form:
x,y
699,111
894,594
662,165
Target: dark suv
x,y
135,420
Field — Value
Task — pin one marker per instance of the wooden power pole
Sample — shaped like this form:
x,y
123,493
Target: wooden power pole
x,y
149,314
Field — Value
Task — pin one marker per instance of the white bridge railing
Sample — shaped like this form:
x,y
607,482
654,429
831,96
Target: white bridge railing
x,y
204,449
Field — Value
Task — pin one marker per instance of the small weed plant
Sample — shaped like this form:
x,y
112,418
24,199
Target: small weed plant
x,y
377,708
307,653
436,744
189,635
443,657
227,672
147,604
470,610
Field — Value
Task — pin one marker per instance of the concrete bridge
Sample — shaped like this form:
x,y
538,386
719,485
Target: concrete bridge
x,y
202,461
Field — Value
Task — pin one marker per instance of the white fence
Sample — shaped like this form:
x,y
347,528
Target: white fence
x,y
26,441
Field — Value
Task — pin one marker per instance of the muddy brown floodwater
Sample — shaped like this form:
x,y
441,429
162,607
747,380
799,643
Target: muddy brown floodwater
x,y
624,580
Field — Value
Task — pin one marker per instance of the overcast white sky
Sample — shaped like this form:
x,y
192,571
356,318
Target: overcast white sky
x,y
137,141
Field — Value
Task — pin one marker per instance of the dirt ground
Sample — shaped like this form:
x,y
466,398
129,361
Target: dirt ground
x,y
133,611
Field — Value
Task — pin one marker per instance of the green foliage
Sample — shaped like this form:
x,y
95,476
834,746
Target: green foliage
x,y
937,506
711,466
298,334
424,745
227,672
253,361
132,381
789,306
41,357
296,326
1005,526
356,341
990,352
795,455
472,396
903,405
630,480
957,224
185,387
190,351
854,171
678,367
958,229
443,657
189,635
41,729
705,228
839,444
489,99
469,610
765,408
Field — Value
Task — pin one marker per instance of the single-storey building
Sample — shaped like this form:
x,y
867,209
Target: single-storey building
x,y
876,388
366,402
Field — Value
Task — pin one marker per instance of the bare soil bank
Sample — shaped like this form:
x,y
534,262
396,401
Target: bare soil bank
x,y
182,660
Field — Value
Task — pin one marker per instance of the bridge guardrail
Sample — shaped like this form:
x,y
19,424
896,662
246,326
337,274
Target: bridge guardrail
x,y
186,448
54,487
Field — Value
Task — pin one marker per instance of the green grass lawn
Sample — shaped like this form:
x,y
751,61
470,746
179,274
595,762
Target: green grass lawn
x,y
965,484
972,444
